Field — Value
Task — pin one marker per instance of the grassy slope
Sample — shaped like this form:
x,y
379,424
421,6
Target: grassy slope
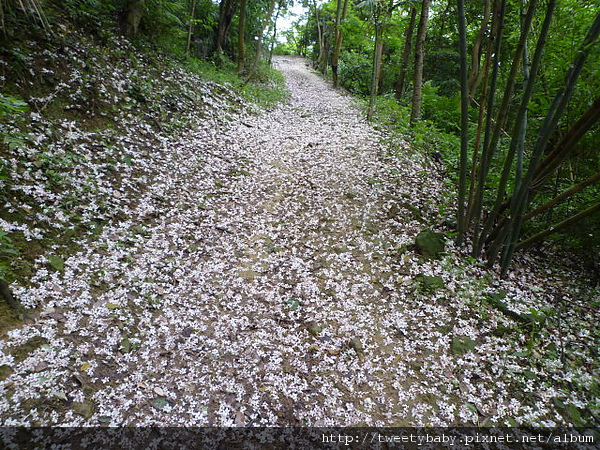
x,y
97,107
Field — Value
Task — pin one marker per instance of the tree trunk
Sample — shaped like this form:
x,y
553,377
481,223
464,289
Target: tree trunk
x,y
133,16
486,151
274,32
408,34
501,119
377,54
226,13
320,35
191,28
259,44
475,74
241,44
464,122
517,142
556,111
8,297
415,113
477,145
325,53
338,36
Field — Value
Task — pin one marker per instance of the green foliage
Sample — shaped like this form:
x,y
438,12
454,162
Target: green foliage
x,y
442,110
7,254
89,12
11,109
425,135
355,71
267,88
165,20
11,106
442,67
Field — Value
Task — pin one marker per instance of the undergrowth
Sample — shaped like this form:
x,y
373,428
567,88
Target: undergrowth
x,y
52,112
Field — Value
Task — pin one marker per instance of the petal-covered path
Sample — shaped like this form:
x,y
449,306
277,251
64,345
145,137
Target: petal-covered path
x,y
261,280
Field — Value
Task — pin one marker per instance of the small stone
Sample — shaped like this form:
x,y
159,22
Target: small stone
x,y
356,345
430,244
61,395
40,367
58,316
84,409
47,311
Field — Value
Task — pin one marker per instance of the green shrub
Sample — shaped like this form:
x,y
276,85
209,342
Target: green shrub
x,y
355,72
7,254
443,110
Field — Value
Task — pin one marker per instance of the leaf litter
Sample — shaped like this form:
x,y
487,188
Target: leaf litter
x,y
258,271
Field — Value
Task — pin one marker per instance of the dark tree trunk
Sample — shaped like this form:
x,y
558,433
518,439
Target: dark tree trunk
x,y
242,37
226,13
8,297
408,36
338,36
132,17
475,75
259,44
415,113
464,122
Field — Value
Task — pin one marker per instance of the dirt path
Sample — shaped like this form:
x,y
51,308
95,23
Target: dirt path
x,y
259,282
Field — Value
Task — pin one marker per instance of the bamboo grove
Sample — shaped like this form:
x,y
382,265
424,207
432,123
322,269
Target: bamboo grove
x,y
516,81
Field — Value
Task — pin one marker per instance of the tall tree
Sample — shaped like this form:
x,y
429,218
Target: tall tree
x,y
408,37
475,74
190,27
322,58
226,13
259,44
415,112
133,16
340,16
274,36
500,123
464,122
241,44
522,196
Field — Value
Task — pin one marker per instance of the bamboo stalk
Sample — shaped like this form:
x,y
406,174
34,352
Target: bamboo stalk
x,y
559,226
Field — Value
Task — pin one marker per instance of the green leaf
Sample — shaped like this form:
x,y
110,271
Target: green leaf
x,y
126,346
471,407
293,304
56,262
160,403
575,415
